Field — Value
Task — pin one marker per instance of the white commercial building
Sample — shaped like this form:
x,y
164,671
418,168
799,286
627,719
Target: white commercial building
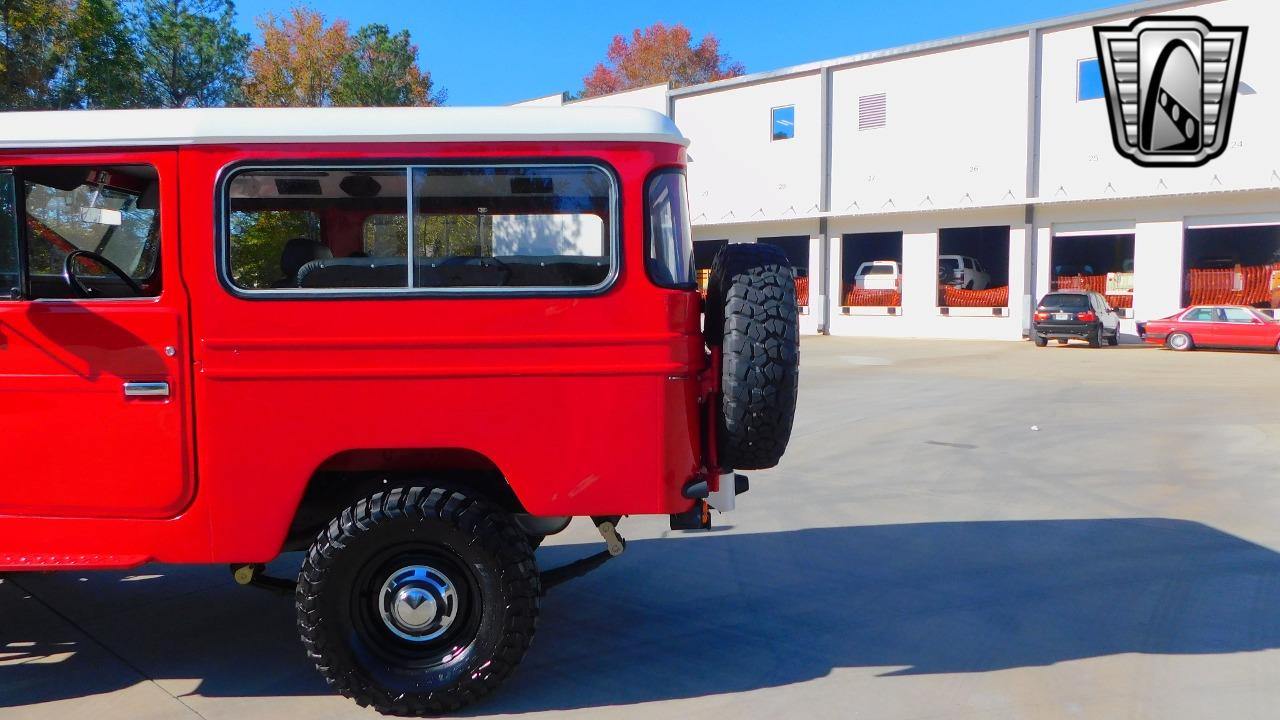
x,y
991,150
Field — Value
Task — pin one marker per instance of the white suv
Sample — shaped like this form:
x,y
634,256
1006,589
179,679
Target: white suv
x,y
962,271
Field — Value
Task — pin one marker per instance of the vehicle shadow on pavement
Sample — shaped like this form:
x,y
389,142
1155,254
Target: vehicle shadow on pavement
x,y
732,613
703,615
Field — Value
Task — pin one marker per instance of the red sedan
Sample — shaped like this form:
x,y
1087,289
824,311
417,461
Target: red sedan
x,y
1234,326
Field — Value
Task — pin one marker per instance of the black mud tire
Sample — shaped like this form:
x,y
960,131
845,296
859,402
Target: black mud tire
x,y
478,546
753,317
1114,338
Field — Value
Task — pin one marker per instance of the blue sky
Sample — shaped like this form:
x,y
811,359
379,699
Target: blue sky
x,y
497,52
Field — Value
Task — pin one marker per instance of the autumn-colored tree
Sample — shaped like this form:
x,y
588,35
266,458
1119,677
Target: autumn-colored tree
x,y
191,53
298,62
659,54
381,69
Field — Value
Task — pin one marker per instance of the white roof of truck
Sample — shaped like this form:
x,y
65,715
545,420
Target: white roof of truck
x,y
131,128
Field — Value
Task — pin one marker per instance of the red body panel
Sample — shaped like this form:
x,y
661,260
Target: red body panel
x,y
587,405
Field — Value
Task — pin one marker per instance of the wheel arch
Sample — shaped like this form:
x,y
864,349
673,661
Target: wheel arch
x,y
349,475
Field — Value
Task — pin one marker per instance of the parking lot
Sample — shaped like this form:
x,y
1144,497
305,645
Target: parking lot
x,y
959,530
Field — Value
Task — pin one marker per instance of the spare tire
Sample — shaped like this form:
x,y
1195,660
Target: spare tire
x,y
753,318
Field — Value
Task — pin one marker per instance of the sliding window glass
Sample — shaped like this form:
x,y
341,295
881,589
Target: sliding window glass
x,y
318,228
512,227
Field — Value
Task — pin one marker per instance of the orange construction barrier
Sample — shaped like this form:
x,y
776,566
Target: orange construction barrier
x,y
958,297
1230,286
802,291
854,297
1096,283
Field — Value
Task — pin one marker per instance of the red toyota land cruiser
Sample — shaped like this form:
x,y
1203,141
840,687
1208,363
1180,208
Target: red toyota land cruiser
x,y
410,342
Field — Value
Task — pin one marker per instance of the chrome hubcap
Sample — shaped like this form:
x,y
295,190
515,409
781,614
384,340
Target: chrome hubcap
x,y
418,603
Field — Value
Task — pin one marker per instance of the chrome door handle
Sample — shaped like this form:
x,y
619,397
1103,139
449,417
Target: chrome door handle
x,y
146,389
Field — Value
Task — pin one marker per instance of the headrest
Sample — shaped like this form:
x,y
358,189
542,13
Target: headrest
x,y
298,252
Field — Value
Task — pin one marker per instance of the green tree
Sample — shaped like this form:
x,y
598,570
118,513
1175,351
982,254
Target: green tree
x,y
191,53
381,69
258,240
102,67
33,48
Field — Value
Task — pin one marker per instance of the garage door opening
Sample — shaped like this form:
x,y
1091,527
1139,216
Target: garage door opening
x,y
973,267
1231,266
1102,263
871,270
704,253
797,249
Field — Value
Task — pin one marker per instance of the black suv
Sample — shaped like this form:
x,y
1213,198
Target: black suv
x,y
1079,314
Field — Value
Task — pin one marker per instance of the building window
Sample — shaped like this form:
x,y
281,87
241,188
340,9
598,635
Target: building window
x,y
784,122
1088,80
872,111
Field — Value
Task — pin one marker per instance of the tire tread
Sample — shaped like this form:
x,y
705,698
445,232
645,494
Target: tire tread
x,y
488,526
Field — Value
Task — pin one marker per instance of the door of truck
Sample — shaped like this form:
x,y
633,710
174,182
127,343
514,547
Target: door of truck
x,y
94,391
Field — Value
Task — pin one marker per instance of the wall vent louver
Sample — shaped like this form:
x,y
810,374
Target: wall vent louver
x,y
871,111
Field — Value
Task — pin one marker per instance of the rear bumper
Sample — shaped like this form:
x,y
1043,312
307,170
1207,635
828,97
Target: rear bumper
x,y
1151,337
1064,330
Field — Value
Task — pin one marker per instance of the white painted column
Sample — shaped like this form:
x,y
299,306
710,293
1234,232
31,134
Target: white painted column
x,y
835,283
809,323
1157,269
1019,269
1044,263
920,276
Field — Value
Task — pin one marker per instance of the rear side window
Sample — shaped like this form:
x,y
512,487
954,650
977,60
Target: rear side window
x,y
1202,315
495,228
1065,302
10,270
1237,315
876,270
669,255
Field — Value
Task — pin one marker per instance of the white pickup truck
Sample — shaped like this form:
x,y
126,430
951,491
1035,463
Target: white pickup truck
x,y
878,275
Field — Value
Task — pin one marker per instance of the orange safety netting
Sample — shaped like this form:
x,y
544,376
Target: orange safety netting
x,y
855,297
1231,286
959,297
1096,283
802,287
